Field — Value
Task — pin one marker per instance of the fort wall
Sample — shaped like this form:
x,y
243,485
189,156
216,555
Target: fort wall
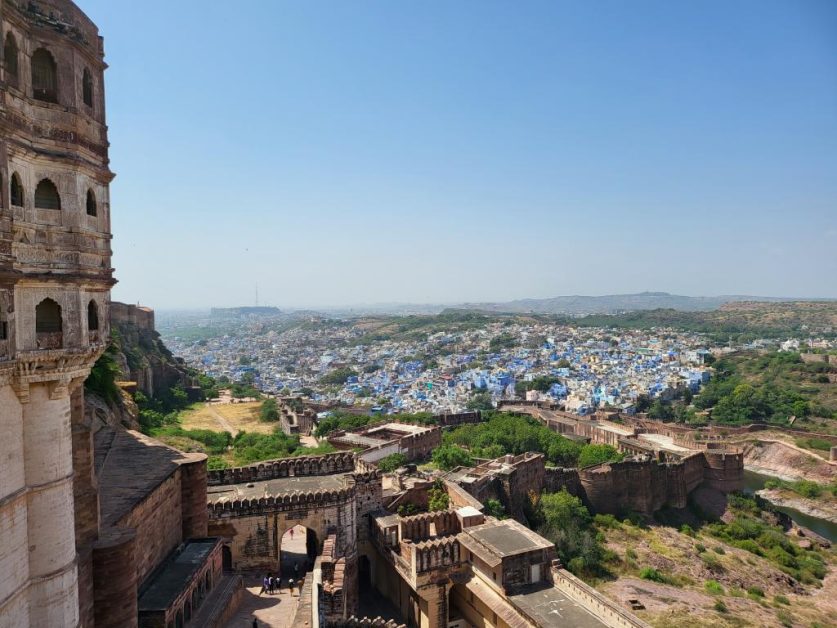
x,y
158,525
288,467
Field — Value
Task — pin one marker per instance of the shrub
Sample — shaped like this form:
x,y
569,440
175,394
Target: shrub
x,y
719,549
607,521
649,573
720,606
781,599
438,497
711,561
756,591
449,457
269,410
630,554
687,530
392,462
714,587
785,618
494,508
700,548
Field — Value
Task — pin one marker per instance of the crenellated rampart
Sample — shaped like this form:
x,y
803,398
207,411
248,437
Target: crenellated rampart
x,y
290,467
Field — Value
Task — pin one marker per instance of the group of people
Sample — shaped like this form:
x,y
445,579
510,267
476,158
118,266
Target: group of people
x,y
271,584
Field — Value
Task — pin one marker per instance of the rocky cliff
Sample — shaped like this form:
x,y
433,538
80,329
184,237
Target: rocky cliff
x,y
137,360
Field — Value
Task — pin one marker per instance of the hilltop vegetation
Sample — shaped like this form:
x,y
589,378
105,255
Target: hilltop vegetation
x,y
506,433
751,387
741,322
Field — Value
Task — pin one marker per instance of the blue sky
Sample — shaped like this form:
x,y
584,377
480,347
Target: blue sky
x,y
438,151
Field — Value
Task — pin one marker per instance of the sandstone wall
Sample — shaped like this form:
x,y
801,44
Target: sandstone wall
x,y
158,524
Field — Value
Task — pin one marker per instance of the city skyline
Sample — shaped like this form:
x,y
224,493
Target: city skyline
x,y
472,152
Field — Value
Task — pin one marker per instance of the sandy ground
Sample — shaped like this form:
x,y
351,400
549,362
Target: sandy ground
x,y
277,610
229,417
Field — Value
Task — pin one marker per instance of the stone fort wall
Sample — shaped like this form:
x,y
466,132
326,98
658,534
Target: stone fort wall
x,y
288,467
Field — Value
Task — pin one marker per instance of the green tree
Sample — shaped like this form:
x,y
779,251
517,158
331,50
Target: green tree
x,y
564,520
494,508
596,454
480,400
392,462
269,410
448,457
438,497
338,376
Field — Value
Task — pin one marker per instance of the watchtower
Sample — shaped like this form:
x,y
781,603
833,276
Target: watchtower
x,y
55,280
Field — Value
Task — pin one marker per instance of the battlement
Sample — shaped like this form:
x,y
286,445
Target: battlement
x,y
327,464
432,554
429,525
279,503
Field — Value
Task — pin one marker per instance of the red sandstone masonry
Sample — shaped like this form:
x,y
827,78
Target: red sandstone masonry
x,y
289,467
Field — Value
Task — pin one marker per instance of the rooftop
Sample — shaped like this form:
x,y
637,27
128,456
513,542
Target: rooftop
x,y
174,575
548,606
130,465
277,486
507,538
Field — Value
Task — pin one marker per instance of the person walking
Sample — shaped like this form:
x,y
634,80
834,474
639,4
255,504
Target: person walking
x,y
270,583
291,585
265,584
255,623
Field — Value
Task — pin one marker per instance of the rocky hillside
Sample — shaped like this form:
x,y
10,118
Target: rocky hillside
x,y
136,361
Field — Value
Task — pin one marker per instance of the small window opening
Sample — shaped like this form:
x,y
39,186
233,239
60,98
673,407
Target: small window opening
x,y
91,203
87,88
46,195
92,316
10,59
16,190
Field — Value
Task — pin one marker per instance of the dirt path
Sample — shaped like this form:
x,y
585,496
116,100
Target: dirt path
x,y
225,425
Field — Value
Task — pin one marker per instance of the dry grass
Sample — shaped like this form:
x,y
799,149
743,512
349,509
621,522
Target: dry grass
x,y
240,416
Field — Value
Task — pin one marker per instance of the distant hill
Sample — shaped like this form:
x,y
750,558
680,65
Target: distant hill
x,y
578,305
237,312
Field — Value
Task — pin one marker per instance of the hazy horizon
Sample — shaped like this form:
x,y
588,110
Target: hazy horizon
x,y
469,152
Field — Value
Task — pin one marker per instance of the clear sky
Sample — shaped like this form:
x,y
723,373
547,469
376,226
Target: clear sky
x,y
444,151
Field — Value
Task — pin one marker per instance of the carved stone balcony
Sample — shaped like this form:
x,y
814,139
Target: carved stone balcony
x,y
49,339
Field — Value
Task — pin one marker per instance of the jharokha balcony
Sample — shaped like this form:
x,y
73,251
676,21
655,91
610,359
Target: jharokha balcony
x,y
49,339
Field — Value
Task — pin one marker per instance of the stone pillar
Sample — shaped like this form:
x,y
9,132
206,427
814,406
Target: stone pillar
x,y
86,497
48,463
14,557
115,579
195,515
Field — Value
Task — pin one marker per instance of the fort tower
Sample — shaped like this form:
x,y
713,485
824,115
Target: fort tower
x,y
55,278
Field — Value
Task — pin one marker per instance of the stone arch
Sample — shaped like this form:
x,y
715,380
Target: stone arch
x,y
48,325
16,190
44,76
46,195
91,207
87,87
10,59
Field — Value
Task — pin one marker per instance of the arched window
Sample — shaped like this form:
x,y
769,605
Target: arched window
x,y
92,316
16,190
91,203
44,76
10,59
87,88
48,334
46,195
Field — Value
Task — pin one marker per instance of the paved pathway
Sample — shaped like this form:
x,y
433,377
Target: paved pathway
x,y
277,610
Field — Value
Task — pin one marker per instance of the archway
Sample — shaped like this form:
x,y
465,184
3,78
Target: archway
x,y
226,558
298,550
48,325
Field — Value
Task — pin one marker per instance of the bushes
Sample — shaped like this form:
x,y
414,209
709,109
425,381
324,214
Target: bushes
x,y
269,411
494,508
714,587
509,434
338,376
814,443
564,520
649,573
392,462
438,497
449,457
